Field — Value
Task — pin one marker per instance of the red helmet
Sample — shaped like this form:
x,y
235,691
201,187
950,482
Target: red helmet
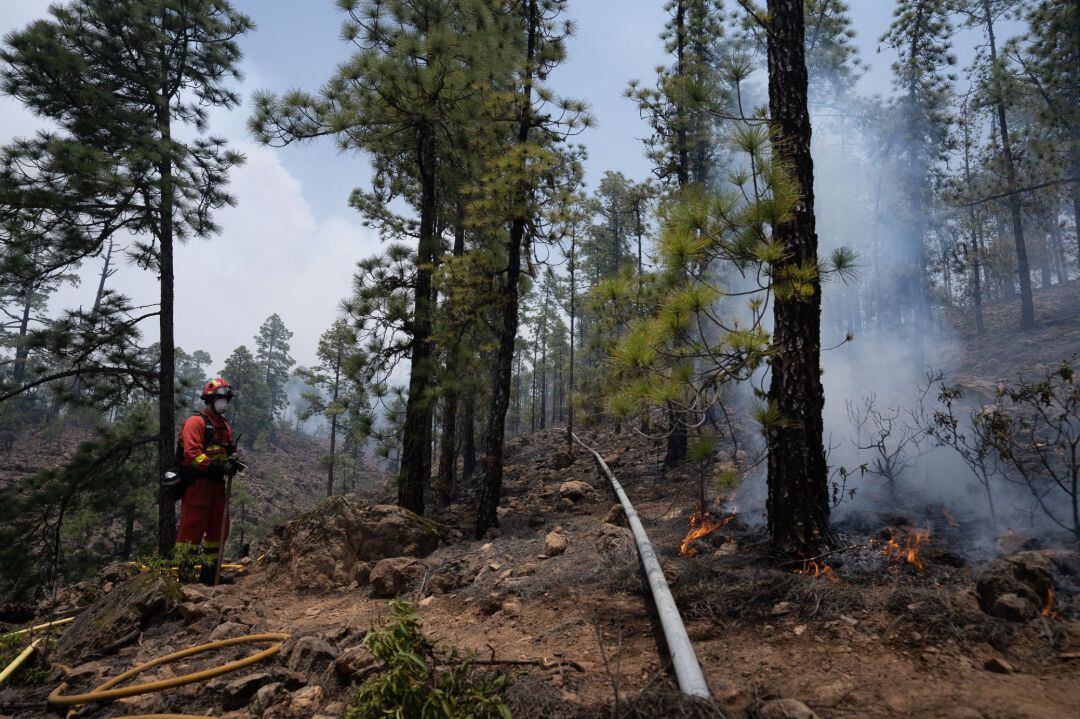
x,y
217,387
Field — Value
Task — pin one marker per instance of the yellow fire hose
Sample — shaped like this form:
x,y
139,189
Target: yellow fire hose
x,y
17,662
46,625
106,692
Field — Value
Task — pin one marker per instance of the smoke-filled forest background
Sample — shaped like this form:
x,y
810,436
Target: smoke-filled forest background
x,y
504,282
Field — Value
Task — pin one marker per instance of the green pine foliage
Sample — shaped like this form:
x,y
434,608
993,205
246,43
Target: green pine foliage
x,y
417,679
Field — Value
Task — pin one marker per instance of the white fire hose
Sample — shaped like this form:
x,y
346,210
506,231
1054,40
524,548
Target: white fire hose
x,y
684,661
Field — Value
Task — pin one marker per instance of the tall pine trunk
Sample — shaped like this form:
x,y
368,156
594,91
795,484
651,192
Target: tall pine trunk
x,y
416,444
22,351
468,450
572,268
445,487
166,529
333,422
798,501
1027,306
491,486
976,238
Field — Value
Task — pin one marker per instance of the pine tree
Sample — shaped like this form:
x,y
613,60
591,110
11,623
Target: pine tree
x,y
120,77
272,353
1049,59
529,177
251,411
403,98
984,14
331,397
921,35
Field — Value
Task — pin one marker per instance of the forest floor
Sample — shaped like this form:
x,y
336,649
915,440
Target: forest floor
x,y
873,631
872,637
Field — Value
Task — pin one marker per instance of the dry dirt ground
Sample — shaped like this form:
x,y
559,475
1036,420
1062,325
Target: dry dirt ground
x,y
879,639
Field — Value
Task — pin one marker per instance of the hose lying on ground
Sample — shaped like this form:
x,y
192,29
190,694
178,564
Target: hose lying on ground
x,y
25,653
106,692
17,661
46,625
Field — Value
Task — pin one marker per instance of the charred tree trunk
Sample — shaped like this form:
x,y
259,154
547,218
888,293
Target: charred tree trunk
x,y
445,487
798,501
166,529
129,532
543,383
333,423
416,444
572,269
1027,306
491,486
468,452
976,238
22,351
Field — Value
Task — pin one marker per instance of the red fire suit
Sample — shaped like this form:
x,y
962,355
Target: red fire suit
x,y
203,519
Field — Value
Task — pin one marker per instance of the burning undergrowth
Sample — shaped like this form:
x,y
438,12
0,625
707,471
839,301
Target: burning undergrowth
x,y
917,578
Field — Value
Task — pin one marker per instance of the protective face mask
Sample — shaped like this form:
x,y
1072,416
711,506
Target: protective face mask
x,y
220,405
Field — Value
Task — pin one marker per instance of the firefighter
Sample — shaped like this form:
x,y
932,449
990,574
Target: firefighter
x,y
205,448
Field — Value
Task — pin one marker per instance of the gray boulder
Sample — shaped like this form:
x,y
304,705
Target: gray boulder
x,y
131,606
326,547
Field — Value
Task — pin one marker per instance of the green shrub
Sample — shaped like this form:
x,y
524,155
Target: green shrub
x,y
419,681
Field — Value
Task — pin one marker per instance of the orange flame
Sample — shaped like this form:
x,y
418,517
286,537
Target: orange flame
x,y
1048,605
949,518
819,570
701,526
908,553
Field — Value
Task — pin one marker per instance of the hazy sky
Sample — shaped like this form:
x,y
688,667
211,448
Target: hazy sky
x,y
291,243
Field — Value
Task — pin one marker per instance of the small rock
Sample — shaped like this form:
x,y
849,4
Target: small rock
x,y
194,593
351,662
396,576
427,601
1014,588
781,608
850,621
575,490
897,703
192,612
614,541
727,549
562,460
784,709
452,575
998,666
308,655
554,544
799,630
87,671
307,700
227,630
362,572
267,697
238,692
525,570
616,516
292,680
1010,542
117,572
